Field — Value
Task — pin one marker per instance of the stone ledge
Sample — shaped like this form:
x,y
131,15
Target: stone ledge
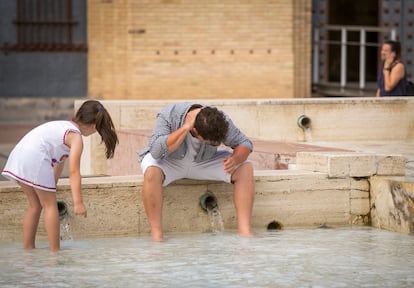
x,y
293,198
351,164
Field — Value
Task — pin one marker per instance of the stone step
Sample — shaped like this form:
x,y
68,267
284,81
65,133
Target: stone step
x,y
351,164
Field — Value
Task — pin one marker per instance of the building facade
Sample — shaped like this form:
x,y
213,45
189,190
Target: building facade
x,y
196,49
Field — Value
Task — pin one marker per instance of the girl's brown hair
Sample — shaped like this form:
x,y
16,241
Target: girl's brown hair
x,y
93,112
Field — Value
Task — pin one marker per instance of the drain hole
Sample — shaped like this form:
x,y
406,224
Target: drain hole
x,y
274,225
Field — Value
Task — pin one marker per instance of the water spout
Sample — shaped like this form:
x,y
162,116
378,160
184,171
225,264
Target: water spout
x,y
209,203
63,210
304,122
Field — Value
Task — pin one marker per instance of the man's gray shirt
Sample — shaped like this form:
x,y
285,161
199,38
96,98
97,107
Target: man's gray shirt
x,y
172,117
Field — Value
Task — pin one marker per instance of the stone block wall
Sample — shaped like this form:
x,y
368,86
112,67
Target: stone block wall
x,y
392,204
292,198
195,49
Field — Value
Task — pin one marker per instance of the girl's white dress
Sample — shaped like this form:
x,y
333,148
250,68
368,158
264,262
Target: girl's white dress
x,y
32,160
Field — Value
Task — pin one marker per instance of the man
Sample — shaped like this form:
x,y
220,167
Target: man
x,y
184,145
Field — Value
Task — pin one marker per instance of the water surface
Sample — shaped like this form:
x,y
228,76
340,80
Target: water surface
x,y
342,257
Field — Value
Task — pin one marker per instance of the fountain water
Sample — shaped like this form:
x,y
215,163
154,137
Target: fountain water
x,y
341,257
209,203
65,232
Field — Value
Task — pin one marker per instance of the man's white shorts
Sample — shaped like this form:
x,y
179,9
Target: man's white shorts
x,y
174,169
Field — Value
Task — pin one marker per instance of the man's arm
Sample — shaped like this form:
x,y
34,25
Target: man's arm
x,y
240,154
177,137
241,145
164,139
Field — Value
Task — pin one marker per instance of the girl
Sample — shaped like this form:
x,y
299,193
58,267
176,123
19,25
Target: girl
x,y
37,161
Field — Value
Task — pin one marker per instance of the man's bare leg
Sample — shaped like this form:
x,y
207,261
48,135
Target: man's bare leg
x,y
243,197
152,198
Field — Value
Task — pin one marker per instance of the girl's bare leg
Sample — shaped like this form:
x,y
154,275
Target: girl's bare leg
x,y
51,217
31,217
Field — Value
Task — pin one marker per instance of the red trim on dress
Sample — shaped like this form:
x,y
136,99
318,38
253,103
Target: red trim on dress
x,y
66,134
28,182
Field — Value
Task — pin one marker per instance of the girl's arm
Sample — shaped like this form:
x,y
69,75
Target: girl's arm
x,y
74,140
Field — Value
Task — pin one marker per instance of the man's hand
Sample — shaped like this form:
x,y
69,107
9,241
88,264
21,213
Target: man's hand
x,y
190,119
229,165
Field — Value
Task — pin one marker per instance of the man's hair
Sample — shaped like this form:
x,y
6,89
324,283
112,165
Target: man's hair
x,y
211,124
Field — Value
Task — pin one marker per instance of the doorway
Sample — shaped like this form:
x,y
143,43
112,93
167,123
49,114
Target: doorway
x,y
353,13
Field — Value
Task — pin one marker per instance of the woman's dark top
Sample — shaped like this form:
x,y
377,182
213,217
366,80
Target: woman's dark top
x,y
399,89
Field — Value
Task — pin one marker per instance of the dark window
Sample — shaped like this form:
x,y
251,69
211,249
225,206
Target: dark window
x,y
45,25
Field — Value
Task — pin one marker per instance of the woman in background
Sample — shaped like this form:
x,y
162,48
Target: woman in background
x,y
392,80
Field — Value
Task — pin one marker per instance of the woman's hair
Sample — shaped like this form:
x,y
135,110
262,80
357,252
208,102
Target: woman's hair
x,y
211,124
93,112
395,47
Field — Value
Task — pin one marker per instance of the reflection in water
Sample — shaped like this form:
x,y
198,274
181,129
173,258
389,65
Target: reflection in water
x,y
362,257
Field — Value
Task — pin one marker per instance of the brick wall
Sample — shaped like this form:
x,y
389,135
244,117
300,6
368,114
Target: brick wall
x,y
198,49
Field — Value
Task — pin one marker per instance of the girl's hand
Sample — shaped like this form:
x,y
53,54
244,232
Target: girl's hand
x,y
80,209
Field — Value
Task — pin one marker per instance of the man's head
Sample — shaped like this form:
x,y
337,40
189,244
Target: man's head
x,y
211,125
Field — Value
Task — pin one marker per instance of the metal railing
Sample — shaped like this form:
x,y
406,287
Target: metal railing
x,y
343,43
44,26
